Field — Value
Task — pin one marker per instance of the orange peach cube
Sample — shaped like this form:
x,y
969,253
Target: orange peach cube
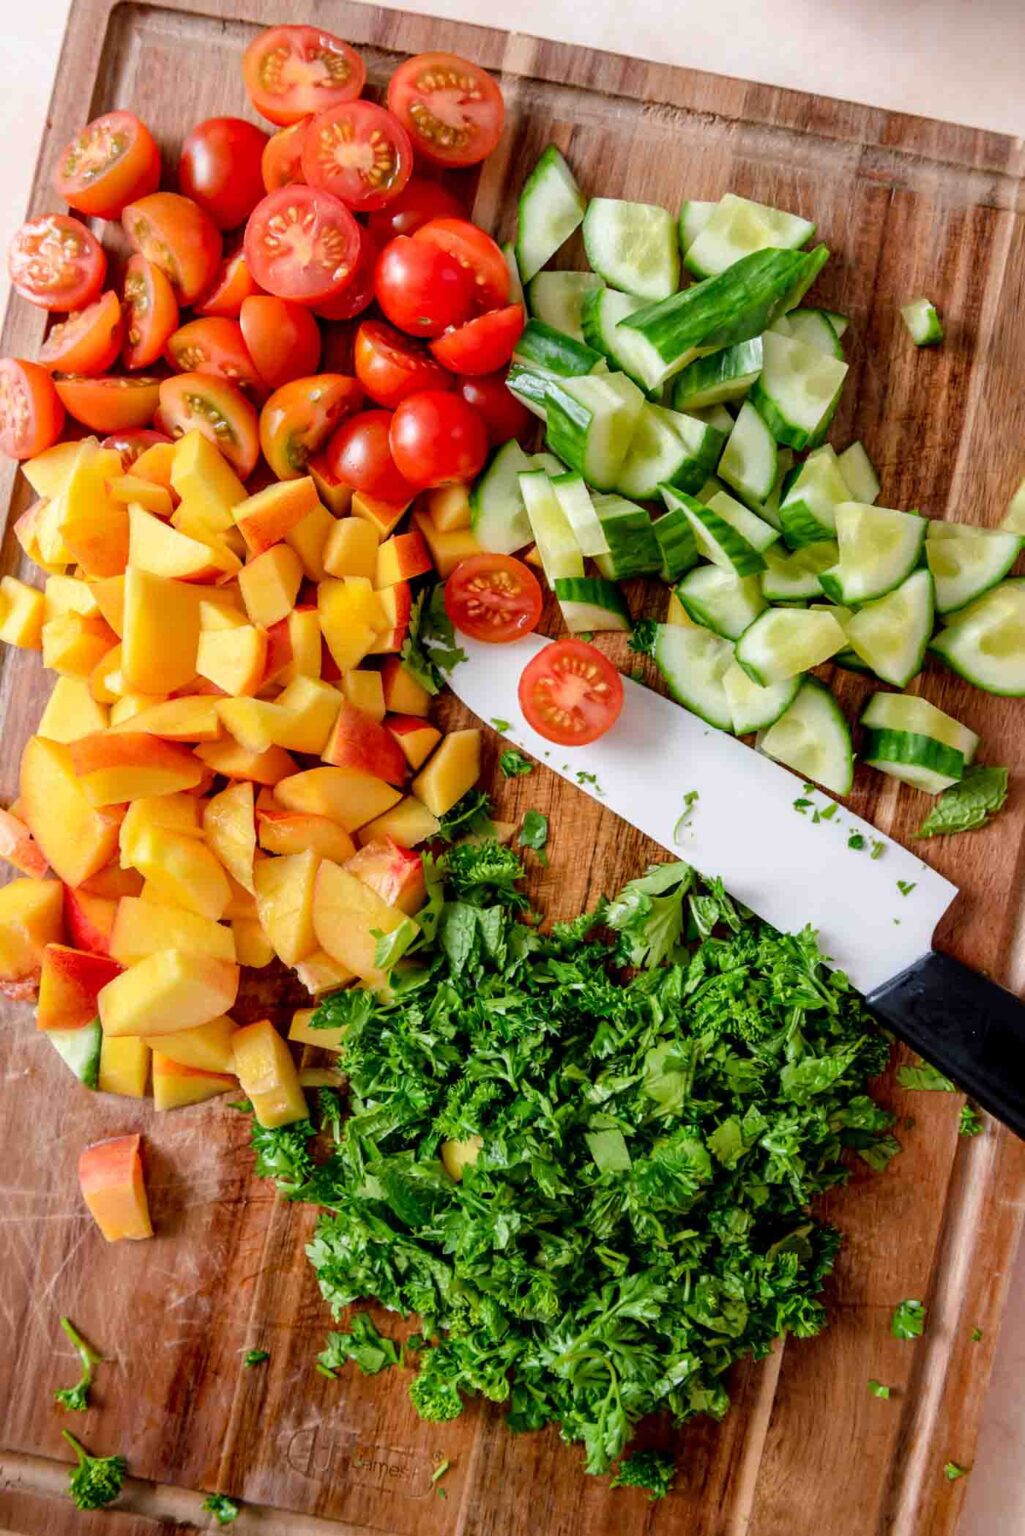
x,y
75,837
110,1177
269,584
268,1076
351,548
168,990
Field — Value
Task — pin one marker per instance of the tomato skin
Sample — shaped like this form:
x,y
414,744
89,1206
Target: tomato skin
x,y
301,243
334,72
282,162
570,693
494,598
421,288
390,366
420,200
360,152
283,338
436,438
56,263
214,345
219,168
503,415
109,403
219,410
482,345
31,413
88,341
112,162
359,454
132,445
452,109
358,293
178,237
300,416
151,312
477,252
230,288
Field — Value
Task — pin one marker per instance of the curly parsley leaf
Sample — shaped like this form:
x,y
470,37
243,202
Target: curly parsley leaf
x,y
651,1470
970,803
469,817
643,636
649,914
513,764
908,1319
430,650
970,1122
877,1388
76,1398
361,1343
97,1480
224,1510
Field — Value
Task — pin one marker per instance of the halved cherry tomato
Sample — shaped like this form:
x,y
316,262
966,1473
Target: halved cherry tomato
x,y
230,288
436,439
421,288
503,415
109,404
282,161
300,416
358,293
132,445
282,337
86,342
570,693
113,161
214,345
301,243
219,168
419,200
218,409
359,454
55,262
451,109
360,152
31,415
293,72
482,345
178,237
151,312
493,597
390,366
475,251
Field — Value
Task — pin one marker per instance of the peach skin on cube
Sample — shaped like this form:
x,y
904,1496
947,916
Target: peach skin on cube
x,y
448,507
269,584
302,1032
351,616
89,919
73,643
359,743
235,762
351,549
362,687
348,916
110,1176
348,797
161,633
112,881
31,917
417,738
124,1066
69,594
267,1075
278,660
331,489
403,694
147,494
155,546
234,659
229,825
168,990
383,516
155,464
27,530
284,902
115,766
201,475
143,927
397,602
395,873
71,711
252,945
454,768
19,848
265,519
207,1046
309,539
22,612
400,558
75,837
447,550
294,831
70,982
320,973
94,525
190,717
175,1085
182,871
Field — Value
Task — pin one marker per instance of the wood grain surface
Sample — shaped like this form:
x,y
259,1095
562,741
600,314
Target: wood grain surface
x,y
907,206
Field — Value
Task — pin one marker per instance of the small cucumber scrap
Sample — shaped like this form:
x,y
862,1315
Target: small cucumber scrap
x,y
808,508
985,644
575,501
590,603
530,386
923,322
632,246
551,208
813,738
556,544
676,541
755,708
722,602
748,462
556,299
497,514
719,376
515,285
966,561
797,390
694,215
815,328
859,473
879,548
911,740
79,1049
600,315
671,447
785,641
892,633
737,227
793,576
693,663
633,547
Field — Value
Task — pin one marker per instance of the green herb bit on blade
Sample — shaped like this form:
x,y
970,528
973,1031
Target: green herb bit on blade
x,y
690,800
514,765
923,1078
430,651
534,834
651,1470
908,1319
906,886
76,1398
97,1480
877,1388
224,1510
969,804
952,1471
856,841
878,848
501,726
255,1357
801,804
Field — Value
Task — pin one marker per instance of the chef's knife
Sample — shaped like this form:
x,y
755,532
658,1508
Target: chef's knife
x,y
762,830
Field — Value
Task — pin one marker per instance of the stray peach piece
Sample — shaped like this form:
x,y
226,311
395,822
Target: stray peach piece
x,y
348,916
22,611
229,823
302,1031
161,633
403,694
454,769
113,767
447,549
407,823
268,1076
265,519
19,848
234,659
344,795
448,507
110,1176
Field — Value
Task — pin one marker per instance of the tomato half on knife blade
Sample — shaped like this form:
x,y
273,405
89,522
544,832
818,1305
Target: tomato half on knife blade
x,y
493,597
570,693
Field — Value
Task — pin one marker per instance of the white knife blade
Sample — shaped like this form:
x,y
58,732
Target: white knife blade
x,y
783,863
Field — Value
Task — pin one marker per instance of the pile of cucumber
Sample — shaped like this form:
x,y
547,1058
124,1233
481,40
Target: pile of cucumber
x,y
712,401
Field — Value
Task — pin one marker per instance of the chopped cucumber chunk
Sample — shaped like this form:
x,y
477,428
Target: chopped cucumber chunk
x,y
986,643
1014,519
720,601
712,416
556,544
859,473
556,299
785,641
602,310
668,447
630,534
879,548
808,508
497,514
676,541
724,375
530,386
755,708
813,738
540,346
693,662
738,227
838,322
923,322
815,329
911,740
589,603
769,508
749,460
725,532
551,208
694,215
632,246
794,576
515,285
966,562
575,500
892,633
797,390
591,422
79,1049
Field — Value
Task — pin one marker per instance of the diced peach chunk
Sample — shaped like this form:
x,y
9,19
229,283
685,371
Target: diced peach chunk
x,y
348,916
110,1176
384,516
269,584
448,507
407,823
235,762
403,695
19,848
191,717
176,1085
230,826
207,1046
76,839
71,711
252,945
267,1075
200,474
22,611
124,1066
294,831
400,558
161,632
183,871
321,973
31,917
73,644
146,494
70,983
416,737
359,743
363,689
143,927
309,539
346,796
165,551
351,548
234,659
454,769
447,549
351,617
284,901
166,991
89,920
302,1031
395,873
113,767
265,519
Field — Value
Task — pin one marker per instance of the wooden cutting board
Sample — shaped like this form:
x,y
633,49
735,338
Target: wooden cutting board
x,y
907,206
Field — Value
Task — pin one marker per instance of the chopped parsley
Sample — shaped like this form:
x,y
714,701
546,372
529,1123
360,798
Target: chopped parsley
x,y
952,1471
534,833
501,726
906,886
976,1335
827,812
878,848
223,1509
856,841
469,817
651,1470
801,804
908,1319
255,1357
921,1077
642,638
76,1398
583,777
970,803
437,1475
514,765
430,650
362,1343
970,1122
690,800
877,1388
97,1480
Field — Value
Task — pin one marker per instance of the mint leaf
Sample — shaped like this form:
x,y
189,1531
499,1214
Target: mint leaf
x,y
969,804
390,947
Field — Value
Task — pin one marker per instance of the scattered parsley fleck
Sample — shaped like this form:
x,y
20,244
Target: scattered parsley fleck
x,y
642,637
923,1078
976,1335
76,1398
856,841
583,777
501,726
224,1510
255,1357
970,1123
690,800
637,675
828,812
585,634
97,1480
534,833
437,1475
469,817
878,848
906,886
513,764
430,650
970,803
952,1471
801,805
908,1319
651,1470
877,1388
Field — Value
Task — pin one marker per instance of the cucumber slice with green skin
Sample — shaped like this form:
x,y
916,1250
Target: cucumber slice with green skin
x,y
712,416
541,346
694,215
530,386
551,208
749,460
497,514
837,321
808,508
721,311
722,602
633,547
754,708
794,577
1014,518
79,1049
907,712
693,662
859,474
923,322
676,541
966,562
591,422
891,635
515,285
724,375
879,548
556,545
632,246
668,447
556,298
589,603
575,500
600,315
813,738
797,390
911,740
986,644
736,228
785,641
769,508
815,329
724,531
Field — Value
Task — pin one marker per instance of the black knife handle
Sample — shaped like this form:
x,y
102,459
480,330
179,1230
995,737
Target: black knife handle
x,y
970,1028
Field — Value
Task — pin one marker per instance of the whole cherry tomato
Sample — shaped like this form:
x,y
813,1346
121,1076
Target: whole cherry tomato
x,y
359,454
421,288
436,438
474,250
219,168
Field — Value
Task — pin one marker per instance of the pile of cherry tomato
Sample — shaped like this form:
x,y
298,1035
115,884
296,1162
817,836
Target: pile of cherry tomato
x,y
341,207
